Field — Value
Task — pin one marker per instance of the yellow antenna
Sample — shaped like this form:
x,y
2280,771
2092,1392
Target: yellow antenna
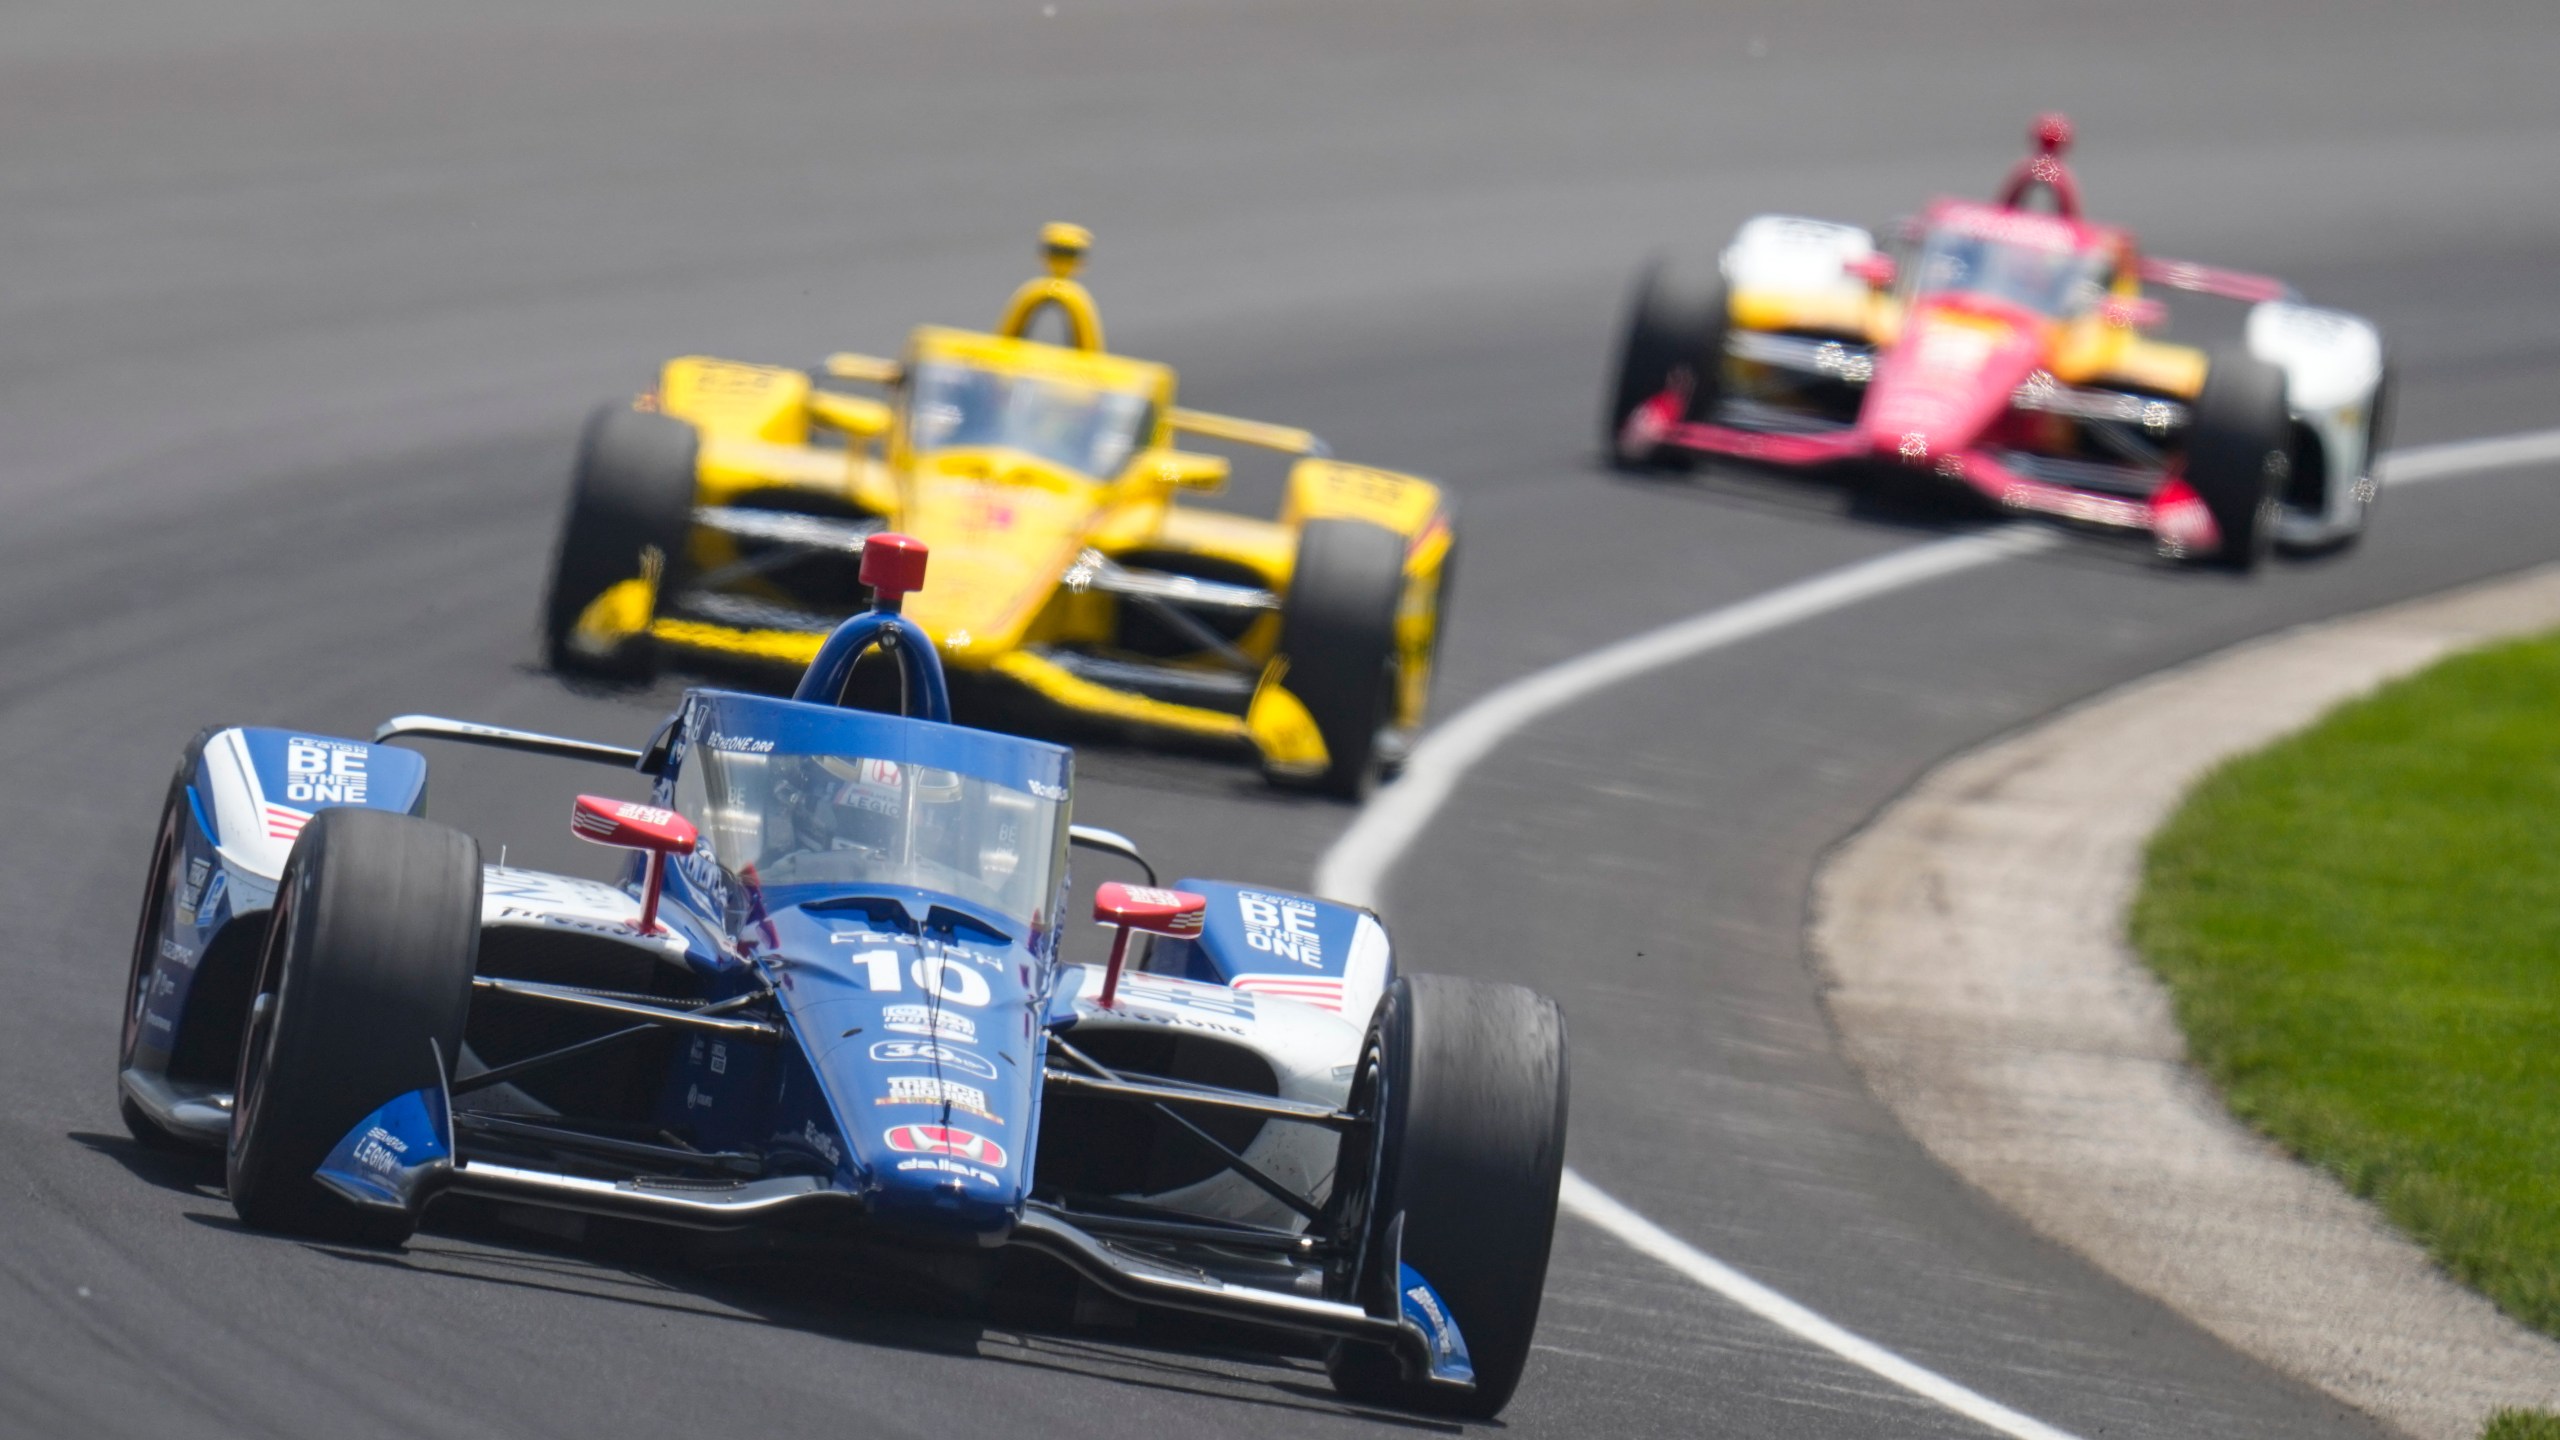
x,y
1063,246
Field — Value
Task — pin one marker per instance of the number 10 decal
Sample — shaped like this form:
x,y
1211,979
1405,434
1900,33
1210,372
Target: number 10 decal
x,y
940,978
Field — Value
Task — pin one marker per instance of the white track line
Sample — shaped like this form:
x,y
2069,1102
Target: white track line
x,y
1356,867
1643,1236
2422,463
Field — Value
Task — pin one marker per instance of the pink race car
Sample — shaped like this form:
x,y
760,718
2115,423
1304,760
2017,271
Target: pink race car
x,y
2008,349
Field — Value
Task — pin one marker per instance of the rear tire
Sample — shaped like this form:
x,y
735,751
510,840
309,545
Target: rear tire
x,y
1468,1080
363,985
631,493
1338,630
1676,320
2238,454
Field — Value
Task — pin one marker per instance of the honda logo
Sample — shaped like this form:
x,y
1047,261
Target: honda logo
x,y
947,1140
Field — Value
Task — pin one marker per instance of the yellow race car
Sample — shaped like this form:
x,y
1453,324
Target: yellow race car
x,y
721,518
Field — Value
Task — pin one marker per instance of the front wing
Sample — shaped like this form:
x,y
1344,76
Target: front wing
x,y
2169,511
411,1149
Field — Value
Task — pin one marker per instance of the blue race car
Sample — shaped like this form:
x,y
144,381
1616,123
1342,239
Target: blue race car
x,y
827,1002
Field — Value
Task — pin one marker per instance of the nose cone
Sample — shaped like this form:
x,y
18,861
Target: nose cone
x,y
1947,381
917,1043
947,1180
1002,531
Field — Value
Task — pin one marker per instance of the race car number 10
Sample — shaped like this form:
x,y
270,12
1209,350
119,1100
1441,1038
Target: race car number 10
x,y
940,978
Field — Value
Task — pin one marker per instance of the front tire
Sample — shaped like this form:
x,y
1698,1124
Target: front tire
x,y
1468,1083
2368,487
2238,454
1338,630
363,986
630,498
156,890
1676,323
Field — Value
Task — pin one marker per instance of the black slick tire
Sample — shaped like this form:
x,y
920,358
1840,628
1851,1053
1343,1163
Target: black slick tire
x,y
1676,322
630,495
2238,453
157,886
362,987
1468,1082
1338,631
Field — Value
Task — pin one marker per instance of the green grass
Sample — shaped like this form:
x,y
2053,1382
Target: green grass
x,y
2361,927
2522,1425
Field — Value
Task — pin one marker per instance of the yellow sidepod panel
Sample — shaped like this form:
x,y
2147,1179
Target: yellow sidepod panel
x,y
1839,310
731,465
726,398
1262,545
1265,547
2158,366
1332,490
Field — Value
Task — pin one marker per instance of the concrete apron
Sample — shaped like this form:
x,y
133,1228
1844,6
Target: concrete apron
x,y
1974,941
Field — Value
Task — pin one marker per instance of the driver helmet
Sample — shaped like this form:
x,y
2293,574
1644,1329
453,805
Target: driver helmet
x,y
832,802
826,803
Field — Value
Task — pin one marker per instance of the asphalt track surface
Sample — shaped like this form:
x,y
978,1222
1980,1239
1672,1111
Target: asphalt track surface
x,y
302,304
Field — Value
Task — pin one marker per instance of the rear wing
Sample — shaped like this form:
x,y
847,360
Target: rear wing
x,y
1288,440
2184,275
2213,280
499,737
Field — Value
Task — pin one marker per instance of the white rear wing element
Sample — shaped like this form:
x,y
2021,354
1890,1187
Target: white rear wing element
x,y
1794,254
2329,357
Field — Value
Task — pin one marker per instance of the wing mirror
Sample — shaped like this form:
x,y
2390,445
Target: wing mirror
x,y
856,415
1190,470
1175,913
2133,312
1875,267
631,825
